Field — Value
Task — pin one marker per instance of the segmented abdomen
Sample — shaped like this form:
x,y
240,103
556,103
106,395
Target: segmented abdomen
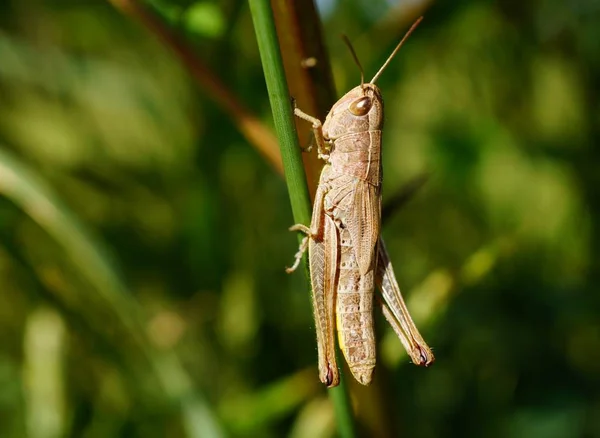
x,y
354,311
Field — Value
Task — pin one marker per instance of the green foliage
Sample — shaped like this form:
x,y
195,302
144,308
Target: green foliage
x,y
143,239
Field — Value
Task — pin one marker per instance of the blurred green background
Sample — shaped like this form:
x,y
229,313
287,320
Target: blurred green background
x,y
143,239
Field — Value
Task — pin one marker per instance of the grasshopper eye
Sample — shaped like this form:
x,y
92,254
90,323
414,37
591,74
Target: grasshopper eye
x,y
361,106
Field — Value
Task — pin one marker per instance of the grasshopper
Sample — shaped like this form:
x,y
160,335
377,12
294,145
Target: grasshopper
x,y
347,256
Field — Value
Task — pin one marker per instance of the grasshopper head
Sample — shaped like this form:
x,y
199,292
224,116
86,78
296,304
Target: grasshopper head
x,y
359,110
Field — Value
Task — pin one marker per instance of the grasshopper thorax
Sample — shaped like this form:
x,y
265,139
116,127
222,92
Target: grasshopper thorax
x,y
359,110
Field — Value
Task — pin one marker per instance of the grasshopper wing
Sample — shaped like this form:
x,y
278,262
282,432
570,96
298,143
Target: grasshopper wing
x,y
363,223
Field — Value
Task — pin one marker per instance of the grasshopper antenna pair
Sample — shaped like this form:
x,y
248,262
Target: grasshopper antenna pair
x,y
386,63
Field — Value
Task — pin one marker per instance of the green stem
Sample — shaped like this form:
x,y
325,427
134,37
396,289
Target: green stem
x,y
279,97
282,110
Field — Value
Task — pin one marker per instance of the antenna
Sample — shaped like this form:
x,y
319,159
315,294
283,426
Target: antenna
x,y
362,73
385,64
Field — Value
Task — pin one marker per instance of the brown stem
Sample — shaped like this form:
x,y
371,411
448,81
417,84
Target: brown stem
x,y
307,69
250,126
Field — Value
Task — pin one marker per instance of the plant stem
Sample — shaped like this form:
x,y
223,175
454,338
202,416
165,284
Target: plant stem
x,y
282,110
279,97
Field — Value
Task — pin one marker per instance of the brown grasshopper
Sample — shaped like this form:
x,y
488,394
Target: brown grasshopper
x,y
346,253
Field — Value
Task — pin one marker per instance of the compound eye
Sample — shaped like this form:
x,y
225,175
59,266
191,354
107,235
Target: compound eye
x,y
361,106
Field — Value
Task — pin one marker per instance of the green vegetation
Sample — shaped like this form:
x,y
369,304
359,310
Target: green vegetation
x,y
144,217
